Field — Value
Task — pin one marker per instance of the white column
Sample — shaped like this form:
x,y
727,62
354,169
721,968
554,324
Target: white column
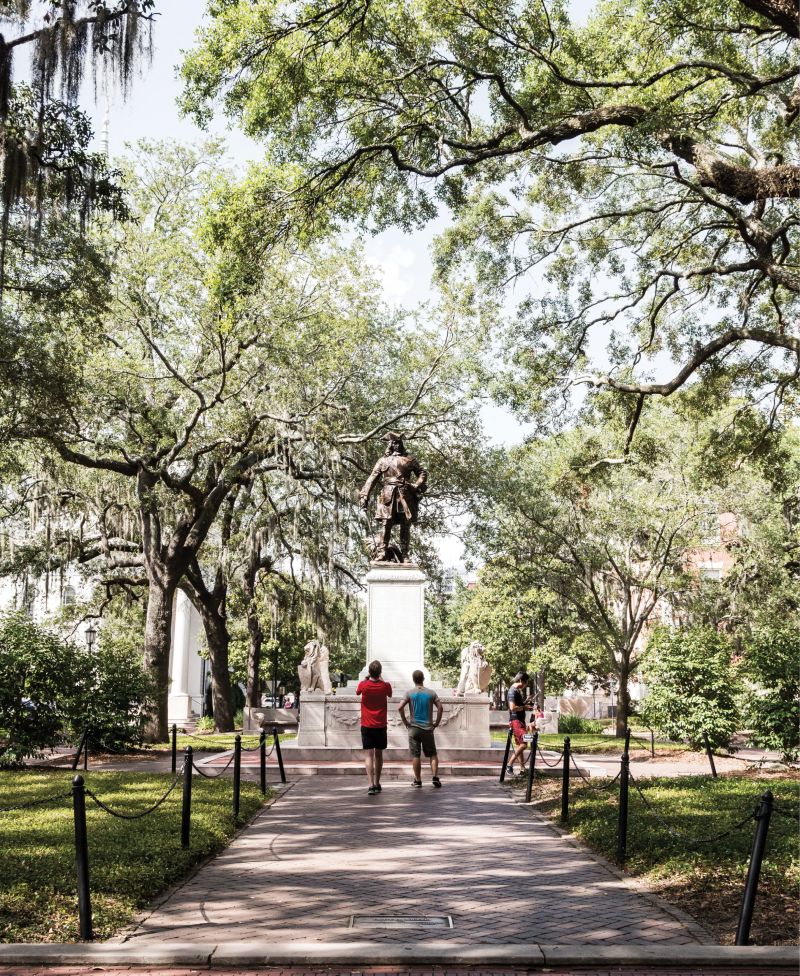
x,y
179,703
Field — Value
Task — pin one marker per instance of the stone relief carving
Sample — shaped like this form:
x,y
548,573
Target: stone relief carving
x,y
475,671
313,669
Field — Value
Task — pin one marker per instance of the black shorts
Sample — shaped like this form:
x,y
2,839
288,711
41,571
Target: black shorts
x,y
421,740
373,738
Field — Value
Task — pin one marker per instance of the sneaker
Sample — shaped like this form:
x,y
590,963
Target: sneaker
x,y
509,770
372,791
436,781
416,782
378,787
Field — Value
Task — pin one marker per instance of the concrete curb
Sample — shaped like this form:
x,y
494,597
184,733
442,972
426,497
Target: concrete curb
x,y
449,954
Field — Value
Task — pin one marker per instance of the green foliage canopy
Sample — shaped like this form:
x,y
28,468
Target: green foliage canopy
x,y
634,176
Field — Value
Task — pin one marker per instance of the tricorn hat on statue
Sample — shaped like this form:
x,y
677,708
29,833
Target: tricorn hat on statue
x,y
392,435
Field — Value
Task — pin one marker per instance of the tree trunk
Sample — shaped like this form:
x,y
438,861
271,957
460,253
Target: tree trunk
x,y
157,642
253,693
217,638
623,699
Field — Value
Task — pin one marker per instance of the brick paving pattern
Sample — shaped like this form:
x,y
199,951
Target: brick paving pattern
x,y
326,851
393,971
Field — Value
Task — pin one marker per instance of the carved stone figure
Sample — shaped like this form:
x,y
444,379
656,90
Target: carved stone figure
x,y
475,671
313,669
398,499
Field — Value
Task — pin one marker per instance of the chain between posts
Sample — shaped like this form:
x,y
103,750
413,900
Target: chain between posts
x,y
35,803
686,838
135,816
550,764
597,789
197,769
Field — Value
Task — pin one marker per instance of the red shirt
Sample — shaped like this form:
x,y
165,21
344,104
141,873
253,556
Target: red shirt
x,y
373,702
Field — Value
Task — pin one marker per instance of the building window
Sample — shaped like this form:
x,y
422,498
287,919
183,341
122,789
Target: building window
x,y
68,596
711,573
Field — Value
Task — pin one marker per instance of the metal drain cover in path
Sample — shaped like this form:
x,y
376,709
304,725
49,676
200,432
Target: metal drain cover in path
x,y
401,922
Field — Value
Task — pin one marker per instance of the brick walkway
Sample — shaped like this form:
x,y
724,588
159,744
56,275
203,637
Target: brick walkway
x,y
326,851
396,971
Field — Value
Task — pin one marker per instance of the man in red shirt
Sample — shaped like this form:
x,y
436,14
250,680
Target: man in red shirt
x,y
374,718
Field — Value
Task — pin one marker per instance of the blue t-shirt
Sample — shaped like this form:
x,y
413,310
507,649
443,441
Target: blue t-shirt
x,y
421,701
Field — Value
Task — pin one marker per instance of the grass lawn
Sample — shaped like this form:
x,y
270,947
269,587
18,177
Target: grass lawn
x,y
594,743
215,741
706,882
130,862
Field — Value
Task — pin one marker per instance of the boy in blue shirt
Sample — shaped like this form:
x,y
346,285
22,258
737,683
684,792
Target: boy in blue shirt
x,y
421,701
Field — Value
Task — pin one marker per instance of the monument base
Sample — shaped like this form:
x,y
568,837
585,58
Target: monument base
x,y
335,721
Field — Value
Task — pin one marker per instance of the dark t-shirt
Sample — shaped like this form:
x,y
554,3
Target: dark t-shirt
x,y
515,697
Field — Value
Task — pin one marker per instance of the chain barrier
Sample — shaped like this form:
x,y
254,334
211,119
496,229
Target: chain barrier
x,y
558,759
686,838
197,769
36,803
598,789
255,748
136,816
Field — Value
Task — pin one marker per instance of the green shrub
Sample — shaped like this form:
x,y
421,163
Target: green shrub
x,y
576,725
51,690
772,662
692,686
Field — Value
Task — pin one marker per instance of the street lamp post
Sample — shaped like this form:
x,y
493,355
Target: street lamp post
x,y
90,636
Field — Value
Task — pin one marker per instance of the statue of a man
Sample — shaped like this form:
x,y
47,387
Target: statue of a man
x,y
398,499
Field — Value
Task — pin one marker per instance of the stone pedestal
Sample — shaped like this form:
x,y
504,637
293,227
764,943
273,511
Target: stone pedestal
x,y
335,721
396,622
256,719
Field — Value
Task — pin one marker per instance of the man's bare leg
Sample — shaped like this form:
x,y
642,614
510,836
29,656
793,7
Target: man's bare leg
x,y
434,765
369,765
416,765
519,753
378,767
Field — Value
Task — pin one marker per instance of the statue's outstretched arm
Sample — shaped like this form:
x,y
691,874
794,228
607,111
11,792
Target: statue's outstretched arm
x,y
422,477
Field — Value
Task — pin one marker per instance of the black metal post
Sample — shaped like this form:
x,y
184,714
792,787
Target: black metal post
x,y
754,869
277,740
174,748
531,767
565,782
77,757
710,754
622,823
82,858
652,744
262,759
237,774
186,809
505,757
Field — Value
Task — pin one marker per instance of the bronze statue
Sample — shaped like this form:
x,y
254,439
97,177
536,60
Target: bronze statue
x,y
398,500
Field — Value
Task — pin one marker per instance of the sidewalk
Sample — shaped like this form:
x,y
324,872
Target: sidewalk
x,y
326,853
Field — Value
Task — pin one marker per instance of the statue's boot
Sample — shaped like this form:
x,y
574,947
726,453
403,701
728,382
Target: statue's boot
x,y
405,543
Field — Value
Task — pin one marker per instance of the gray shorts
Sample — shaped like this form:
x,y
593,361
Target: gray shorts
x,y
421,739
